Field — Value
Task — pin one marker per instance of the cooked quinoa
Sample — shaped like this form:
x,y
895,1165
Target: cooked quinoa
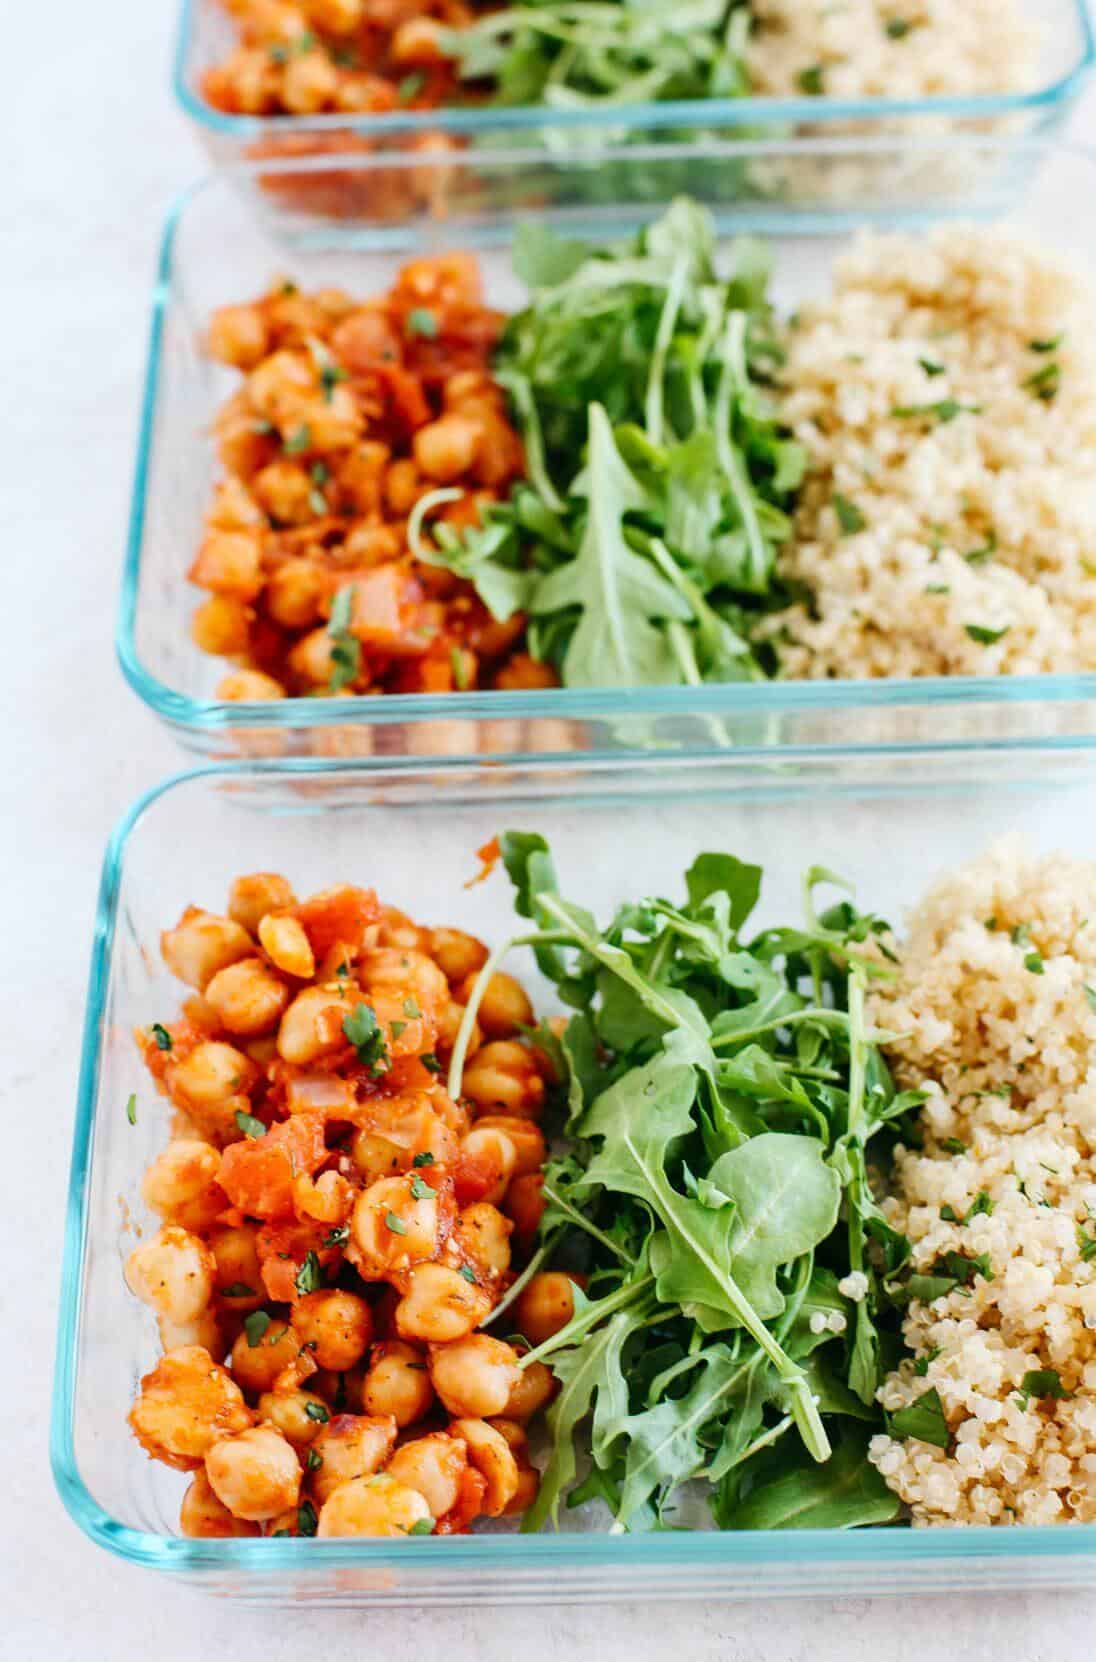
x,y
891,48
998,1026
946,394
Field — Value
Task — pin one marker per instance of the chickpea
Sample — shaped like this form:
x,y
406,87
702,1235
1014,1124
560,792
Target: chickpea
x,y
230,562
544,1305
237,1257
238,336
440,1305
248,686
295,593
336,1326
474,1376
251,898
405,974
252,75
392,1229
234,509
286,945
336,17
184,1404
181,1184
203,1330
494,1158
373,1506
524,1136
504,1008
203,1517
201,944
514,1435
334,420
221,626
349,1446
243,451
255,1474
503,1078
483,1235
444,450
456,954
415,41
248,997
213,1073
397,1383
523,674
309,83
284,489
391,1149
327,1198
402,487
373,545
311,660
172,1272
434,1466
490,1454
297,1414
535,1388
313,1025
256,1366
281,387
449,1025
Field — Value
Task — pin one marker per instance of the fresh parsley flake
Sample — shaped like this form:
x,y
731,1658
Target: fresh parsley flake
x,y
318,1411
299,440
945,410
396,1028
468,1274
422,1526
249,1125
410,1008
811,80
921,1366
1033,962
424,1159
1046,345
421,1190
931,367
923,1420
330,376
1042,1383
131,1108
306,1518
313,1461
411,86
237,1289
430,1062
161,1035
1045,382
459,668
395,1224
898,28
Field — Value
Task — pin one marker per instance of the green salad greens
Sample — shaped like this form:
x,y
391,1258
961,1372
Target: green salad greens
x,y
643,543
592,54
742,1284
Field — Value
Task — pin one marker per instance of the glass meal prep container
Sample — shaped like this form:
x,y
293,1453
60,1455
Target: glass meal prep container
x,y
888,823
207,33
212,254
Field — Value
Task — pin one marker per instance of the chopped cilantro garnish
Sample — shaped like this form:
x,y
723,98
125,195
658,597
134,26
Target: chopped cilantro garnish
x,y
318,1411
1045,382
468,1274
255,1326
411,86
249,1125
947,409
410,1008
422,1526
848,514
898,28
1042,1383
422,1190
458,668
430,1062
336,1236
983,635
309,1278
313,1461
131,1108
299,440
425,1159
953,1145
921,1366
811,80
422,321
931,367
237,1289
396,1028
161,1035
367,1036
330,375
306,1518
1033,962
923,1420
1046,345
395,1224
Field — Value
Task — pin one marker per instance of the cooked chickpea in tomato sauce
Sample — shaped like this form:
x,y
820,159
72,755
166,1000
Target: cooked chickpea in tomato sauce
x,y
352,57
348,414
334,1230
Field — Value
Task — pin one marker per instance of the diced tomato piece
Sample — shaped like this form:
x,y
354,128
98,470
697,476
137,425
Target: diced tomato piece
x,y
342,914
471,1494
184,1037
257,1173
283,1249
406,396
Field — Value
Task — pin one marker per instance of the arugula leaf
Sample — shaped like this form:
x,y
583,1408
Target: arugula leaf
x,y
846,1493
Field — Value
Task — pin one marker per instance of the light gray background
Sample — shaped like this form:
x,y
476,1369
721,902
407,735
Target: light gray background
x,y
94,151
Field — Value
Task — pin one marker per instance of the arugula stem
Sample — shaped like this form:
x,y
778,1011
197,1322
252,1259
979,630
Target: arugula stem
x,y
464,1032
521,394
675,293
614,959
585,1320
583,1222
514,1290
732,377
818,1013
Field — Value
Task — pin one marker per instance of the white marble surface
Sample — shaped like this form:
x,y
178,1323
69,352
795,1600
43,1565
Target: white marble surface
x,y
98,152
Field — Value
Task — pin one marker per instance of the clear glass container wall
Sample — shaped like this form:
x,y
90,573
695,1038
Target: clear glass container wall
x,y
207,34
213,253
888,823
